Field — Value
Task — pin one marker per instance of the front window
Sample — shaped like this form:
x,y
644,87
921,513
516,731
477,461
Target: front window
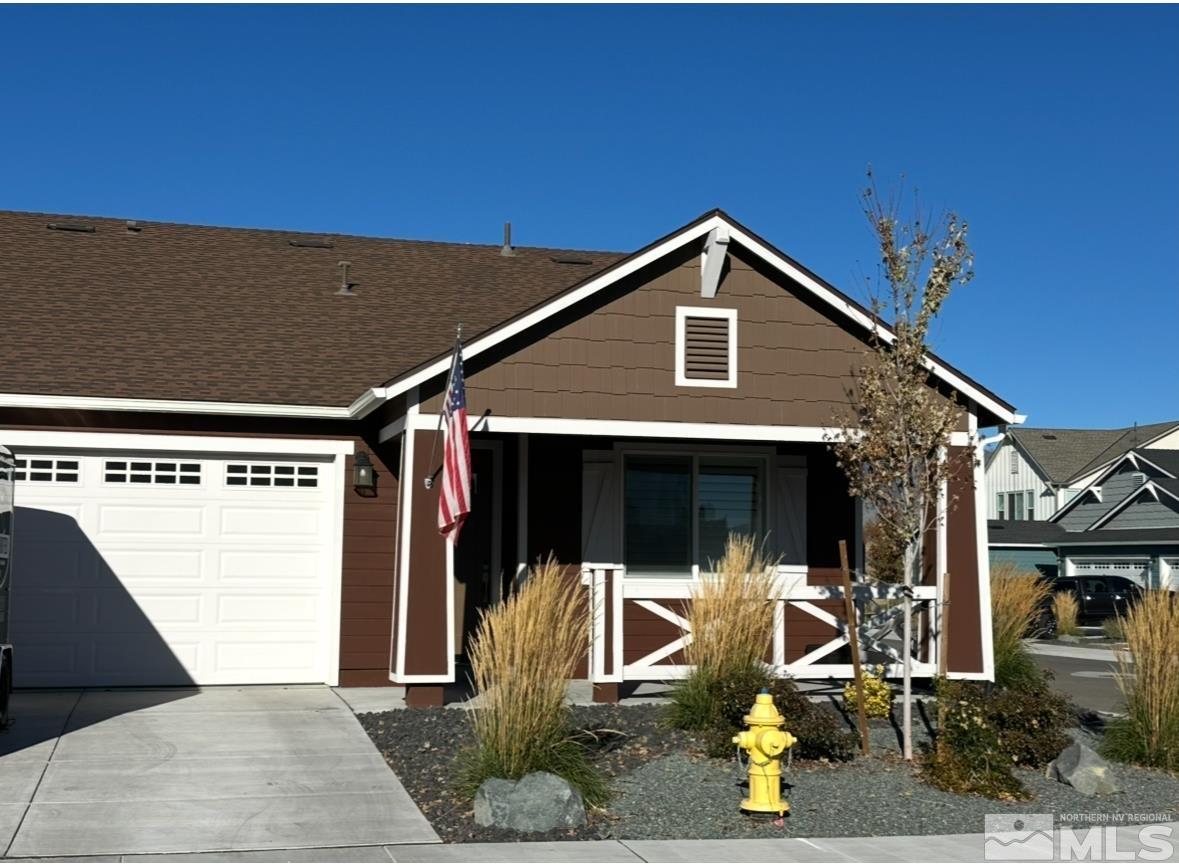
x,y
679,510
1015,505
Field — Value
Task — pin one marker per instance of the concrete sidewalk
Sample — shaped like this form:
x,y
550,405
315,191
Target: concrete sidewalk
x,y
914,848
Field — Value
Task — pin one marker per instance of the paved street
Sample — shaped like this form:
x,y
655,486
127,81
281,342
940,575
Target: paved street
x,y
97,772
1084,674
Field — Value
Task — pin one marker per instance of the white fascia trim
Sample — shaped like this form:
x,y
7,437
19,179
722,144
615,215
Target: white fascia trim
x,y
368,401
1137,458
1003,545
681,319
1132,456
965,389
147,405
173,443
1093,489
583,292
671,430
627,268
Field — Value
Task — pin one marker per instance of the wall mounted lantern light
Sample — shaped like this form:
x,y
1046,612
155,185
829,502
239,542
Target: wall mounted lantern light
x,y
364,477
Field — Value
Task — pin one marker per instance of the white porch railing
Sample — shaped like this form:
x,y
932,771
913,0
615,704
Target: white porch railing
x,y
878,610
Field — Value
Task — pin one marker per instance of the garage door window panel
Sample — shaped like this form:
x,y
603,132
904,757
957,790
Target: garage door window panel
x,y
272,475
135,471
45,469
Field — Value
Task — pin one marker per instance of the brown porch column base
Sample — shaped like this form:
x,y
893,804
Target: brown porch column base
x,y
606,692
424,695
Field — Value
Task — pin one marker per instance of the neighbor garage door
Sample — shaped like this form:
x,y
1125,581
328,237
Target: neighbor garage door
x,y
142,568
1137,570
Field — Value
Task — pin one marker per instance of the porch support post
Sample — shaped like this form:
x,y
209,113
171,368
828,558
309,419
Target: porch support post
x,y
522,507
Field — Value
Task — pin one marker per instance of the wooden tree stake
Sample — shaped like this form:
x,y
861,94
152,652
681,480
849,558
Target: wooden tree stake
x,y
853,636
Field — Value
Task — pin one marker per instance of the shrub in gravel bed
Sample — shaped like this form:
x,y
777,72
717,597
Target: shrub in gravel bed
x,y
1148,676
1032,723
522,658
969,756
821,735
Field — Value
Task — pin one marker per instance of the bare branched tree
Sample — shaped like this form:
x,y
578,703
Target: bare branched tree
x,y
892,442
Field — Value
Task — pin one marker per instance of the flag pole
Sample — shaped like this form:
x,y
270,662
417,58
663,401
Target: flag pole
x,y
458,339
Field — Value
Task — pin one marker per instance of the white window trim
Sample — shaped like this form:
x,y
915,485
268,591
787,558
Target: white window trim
x,y
681,318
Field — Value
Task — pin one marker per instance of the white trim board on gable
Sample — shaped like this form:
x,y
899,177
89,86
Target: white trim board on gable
x,y
662,248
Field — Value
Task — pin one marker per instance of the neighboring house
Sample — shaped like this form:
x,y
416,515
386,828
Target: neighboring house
x,y
191,405
1125,521
1033,472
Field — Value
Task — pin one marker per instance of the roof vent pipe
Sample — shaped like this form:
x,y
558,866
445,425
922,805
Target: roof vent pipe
x,y
345,284
507,250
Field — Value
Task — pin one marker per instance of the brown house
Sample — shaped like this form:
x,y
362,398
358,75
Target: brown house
x,y
188,406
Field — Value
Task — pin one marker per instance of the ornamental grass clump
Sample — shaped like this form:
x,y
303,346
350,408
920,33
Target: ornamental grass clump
x,y
522,659
1148,676
1017,600
1065,611
730,625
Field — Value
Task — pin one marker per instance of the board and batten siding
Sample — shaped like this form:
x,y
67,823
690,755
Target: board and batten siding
x,y
1000,480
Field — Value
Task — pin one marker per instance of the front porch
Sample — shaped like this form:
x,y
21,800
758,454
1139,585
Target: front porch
x,y
637,519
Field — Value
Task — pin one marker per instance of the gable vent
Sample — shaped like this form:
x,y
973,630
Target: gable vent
x,y
1138,478
706,347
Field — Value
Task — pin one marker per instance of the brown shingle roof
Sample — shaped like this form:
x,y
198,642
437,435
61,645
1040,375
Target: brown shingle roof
x,y
210,314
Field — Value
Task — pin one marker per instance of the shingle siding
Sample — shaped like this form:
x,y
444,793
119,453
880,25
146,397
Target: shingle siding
x,y
1145,512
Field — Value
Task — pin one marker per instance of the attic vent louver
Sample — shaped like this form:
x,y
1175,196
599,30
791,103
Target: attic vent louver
x,y
1049,436
706,347
571,260
71,227
320,243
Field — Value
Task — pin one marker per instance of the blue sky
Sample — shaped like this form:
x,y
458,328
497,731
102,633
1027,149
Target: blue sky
x,y
1054,130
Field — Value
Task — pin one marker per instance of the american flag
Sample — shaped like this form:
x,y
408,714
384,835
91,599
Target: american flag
x,y
454,501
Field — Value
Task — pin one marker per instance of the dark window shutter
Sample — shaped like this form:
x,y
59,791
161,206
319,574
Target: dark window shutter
x,y
706,348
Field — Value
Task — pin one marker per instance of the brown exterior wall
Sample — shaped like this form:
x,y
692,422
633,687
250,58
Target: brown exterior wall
x,y
964,626
616,360
426,642
369,547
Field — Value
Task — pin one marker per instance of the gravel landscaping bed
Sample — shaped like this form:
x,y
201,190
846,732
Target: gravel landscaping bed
x,y
665,787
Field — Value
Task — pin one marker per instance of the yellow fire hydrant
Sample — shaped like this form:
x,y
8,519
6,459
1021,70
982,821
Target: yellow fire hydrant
x,y
765,742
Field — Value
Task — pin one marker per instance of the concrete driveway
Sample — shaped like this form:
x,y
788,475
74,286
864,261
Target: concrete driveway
x,y
98,772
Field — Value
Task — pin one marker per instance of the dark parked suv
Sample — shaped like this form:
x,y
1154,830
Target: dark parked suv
x,y
1098,597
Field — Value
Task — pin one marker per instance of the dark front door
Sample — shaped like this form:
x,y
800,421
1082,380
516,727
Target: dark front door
x,y
474,558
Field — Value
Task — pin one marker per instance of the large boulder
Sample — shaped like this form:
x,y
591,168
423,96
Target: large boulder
x,y
536,803
1083,770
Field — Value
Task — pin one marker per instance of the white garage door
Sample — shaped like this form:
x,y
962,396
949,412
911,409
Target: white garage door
x,y
173,568
1133,569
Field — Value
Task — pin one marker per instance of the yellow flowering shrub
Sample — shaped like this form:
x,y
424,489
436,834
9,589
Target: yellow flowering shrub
x,y
877,693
